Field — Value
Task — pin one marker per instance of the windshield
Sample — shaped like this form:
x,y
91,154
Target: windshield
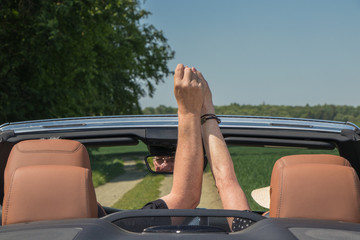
x,y
120,175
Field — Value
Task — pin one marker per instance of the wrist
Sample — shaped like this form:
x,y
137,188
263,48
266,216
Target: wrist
x,y
186,111
207,110
189,114
206,117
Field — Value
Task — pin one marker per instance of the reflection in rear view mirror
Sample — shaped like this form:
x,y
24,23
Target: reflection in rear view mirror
x,y
160,164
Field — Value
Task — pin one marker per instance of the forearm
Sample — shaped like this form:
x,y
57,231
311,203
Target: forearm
x,y
231,194
187,178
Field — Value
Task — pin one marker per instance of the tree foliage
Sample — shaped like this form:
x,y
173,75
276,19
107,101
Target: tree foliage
x,y
75,58
325,112
161,109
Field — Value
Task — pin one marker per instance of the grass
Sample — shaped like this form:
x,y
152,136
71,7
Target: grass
x,y
125,151
105,171
140,165
253,166
108,162
145,191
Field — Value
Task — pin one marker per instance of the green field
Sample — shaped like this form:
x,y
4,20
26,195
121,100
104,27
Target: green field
x,y
253,166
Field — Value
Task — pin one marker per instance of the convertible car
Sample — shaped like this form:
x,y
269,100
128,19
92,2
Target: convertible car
x,y
51,171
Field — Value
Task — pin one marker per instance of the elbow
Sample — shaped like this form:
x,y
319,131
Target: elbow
x,y
192,199
188,200
193,203
196,200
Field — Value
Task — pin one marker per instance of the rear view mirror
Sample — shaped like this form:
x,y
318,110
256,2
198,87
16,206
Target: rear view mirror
x,y
163,164
160,164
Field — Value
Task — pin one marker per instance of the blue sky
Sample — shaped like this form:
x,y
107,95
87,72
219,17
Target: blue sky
x,y
281,52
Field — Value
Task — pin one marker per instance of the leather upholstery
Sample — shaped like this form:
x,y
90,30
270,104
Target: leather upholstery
x,y
46,152
315,186
47,180
48,193
311,158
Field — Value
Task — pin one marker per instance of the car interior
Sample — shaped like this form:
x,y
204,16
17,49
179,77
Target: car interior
x,y
302,186
48,187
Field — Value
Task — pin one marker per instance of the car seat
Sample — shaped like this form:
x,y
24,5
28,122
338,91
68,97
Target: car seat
x,y
315,186
47,180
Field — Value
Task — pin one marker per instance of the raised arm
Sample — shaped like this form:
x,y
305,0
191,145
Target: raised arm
x,y
231,194
187,179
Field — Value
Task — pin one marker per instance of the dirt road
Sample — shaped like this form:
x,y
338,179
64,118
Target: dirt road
x,y
109,193
209,196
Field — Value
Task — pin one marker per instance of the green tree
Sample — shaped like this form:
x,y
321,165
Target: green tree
x,y
75,58
161,109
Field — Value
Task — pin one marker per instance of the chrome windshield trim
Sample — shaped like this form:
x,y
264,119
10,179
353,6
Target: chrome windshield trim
x,y
145,121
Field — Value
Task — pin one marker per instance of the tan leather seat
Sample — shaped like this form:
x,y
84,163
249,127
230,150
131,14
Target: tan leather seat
x,y
315,186
48,180
46,152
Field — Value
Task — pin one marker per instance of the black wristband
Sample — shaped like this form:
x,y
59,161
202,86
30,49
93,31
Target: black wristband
x,y
209,116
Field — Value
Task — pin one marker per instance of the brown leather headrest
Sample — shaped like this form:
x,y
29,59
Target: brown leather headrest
x,y
325,187
45,152
49,193
42,173
311,158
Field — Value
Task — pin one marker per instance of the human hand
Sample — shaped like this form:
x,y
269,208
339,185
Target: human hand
x,y
208,106
164,163
188,90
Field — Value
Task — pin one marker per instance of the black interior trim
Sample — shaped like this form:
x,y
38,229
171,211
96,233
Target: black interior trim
x,y
279,142
182,213
98,142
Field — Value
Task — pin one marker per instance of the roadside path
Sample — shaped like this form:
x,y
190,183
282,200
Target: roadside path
x,y
109,193
209,196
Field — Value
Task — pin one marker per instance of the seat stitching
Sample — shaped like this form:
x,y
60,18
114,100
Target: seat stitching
x,y
8,199
87,196
281,191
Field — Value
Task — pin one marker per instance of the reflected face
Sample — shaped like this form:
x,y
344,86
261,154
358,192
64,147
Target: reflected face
x,y
164,163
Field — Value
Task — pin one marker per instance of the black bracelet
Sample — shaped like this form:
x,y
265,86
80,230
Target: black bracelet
x,y
206,117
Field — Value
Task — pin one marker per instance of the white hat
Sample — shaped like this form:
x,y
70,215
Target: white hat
x,y
262,196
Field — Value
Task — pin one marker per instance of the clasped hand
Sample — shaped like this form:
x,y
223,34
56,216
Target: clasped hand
x,y
191,91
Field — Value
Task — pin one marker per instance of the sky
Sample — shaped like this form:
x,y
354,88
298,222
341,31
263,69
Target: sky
x,y
279,52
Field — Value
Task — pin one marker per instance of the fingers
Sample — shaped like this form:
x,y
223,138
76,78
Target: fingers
x,y
188,75
185,73
200,77
188,90
179,72
208,106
